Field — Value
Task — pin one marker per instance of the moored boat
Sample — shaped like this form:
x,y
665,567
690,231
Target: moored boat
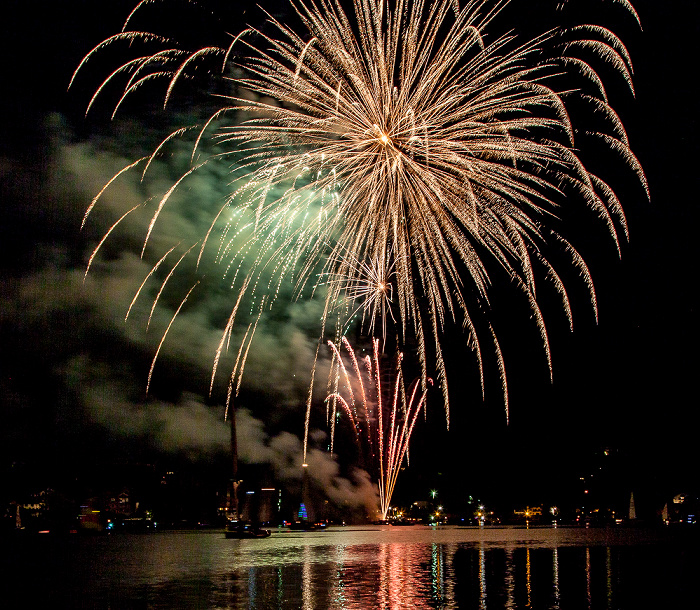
x,y
239,530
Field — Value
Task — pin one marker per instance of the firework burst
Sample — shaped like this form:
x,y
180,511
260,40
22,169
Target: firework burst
x,y
398,153
387,425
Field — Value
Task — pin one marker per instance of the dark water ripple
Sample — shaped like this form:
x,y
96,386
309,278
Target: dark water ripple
x,y
359,568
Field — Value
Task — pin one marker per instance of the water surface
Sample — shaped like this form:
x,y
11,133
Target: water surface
x,y
360,567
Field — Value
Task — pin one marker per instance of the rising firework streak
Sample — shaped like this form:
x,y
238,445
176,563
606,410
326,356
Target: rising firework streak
x,y
382,428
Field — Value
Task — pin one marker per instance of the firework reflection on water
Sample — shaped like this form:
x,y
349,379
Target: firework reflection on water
x,y
361,567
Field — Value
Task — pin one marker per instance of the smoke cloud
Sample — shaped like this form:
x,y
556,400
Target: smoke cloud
x,y
71,326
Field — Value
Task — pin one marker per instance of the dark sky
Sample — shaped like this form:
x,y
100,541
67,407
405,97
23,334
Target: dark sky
x,y
73,375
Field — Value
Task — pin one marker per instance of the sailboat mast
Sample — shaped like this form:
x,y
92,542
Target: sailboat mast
x,y
233,507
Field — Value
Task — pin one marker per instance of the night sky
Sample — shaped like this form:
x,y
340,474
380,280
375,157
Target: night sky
x,y
73,374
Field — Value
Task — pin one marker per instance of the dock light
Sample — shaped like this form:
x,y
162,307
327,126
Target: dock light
x,y
304,465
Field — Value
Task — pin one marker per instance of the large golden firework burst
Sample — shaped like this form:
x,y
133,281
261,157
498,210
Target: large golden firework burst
x,y
394,151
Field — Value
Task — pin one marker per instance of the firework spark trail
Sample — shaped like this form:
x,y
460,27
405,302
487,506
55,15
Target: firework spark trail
x,y
165,334
405,147
410,418
245,355
162,203
104,238
370,288
391,436
345,376
392,426
164,283
175,134
363,394
150,273
347,409
380,409
106,186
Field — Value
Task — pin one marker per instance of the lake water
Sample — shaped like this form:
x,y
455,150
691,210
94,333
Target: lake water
x,y
359,567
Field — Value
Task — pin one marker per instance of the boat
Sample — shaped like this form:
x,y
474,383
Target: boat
x,y
240,530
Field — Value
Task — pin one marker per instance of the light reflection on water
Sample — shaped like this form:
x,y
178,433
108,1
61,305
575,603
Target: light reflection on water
x,y
363,568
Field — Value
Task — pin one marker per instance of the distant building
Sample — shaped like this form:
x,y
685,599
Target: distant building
x,y
120,504
91,518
